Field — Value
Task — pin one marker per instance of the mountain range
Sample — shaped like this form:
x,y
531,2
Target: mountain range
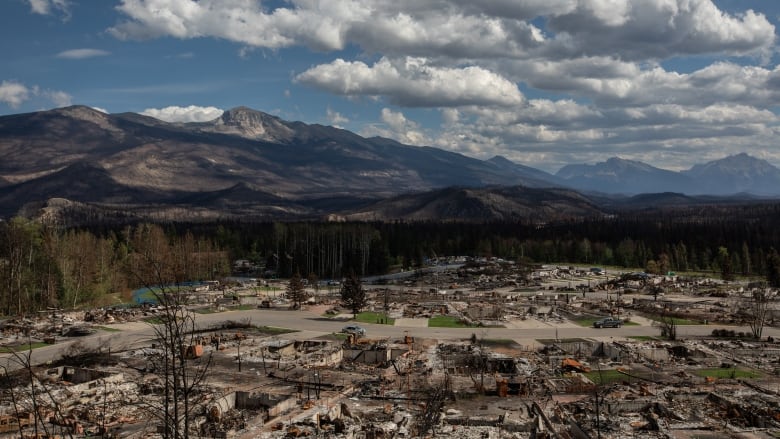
x,y
249,163
734,174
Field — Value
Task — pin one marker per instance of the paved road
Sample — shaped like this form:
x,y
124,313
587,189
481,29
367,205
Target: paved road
x,y
134,335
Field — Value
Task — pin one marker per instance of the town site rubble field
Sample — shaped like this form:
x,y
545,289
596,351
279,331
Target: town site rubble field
x,y
262,382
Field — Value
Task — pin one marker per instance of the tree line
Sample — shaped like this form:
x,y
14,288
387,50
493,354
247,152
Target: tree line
x,y
723,245
44,266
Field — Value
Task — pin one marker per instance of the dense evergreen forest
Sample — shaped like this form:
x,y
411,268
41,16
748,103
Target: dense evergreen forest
x,y
44,266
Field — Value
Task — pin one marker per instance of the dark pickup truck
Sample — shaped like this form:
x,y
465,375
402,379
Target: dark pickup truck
x,y
608,322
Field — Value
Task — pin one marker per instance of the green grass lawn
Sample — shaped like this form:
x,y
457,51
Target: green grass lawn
x,y
205,311
723,372
447,322
374,317
23,347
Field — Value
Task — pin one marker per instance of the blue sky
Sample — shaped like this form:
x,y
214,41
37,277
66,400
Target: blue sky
x,y
541,82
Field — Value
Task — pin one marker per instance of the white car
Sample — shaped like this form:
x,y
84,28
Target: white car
x,y
353,329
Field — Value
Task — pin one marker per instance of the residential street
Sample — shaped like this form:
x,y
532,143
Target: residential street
x,y
309,325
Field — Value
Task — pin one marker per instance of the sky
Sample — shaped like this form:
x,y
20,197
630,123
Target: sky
x,y
543,83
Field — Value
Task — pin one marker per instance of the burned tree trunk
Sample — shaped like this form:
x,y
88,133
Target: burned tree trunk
x,y
757,313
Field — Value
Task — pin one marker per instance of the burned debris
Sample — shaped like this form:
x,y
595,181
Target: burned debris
x,y
363,385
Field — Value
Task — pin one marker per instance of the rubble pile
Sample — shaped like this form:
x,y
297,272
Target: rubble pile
x,y
406,388
359,386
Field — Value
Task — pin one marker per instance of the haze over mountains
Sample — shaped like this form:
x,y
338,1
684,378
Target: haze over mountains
x,y
739,173
251,163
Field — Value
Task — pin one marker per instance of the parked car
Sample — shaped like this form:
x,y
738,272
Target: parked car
x,y
353,329
608,322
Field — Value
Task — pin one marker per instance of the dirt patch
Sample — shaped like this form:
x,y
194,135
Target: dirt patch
x,y
412,323
318,309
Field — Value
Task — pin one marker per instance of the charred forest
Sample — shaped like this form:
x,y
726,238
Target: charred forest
x,y
44,265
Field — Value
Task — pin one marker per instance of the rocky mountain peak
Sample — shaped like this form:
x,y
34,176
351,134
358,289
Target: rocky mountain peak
x,y
738,173
626,176
252,124
245,115
86,114
81,112
625,164
735,164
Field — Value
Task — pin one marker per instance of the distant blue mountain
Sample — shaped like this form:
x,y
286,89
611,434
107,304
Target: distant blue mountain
x,y
620,176
735,174
249,163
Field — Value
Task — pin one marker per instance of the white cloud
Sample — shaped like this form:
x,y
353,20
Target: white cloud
x,y
717,115
242,21
605,69
245,51
396,120
612,83
538,122
82,53
47,7
59,98
522,10
192,113
450,116
396,126
668,135
335,118
620,28
413,82
13,93
40,6
377,25
658,29
102,110
451,34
